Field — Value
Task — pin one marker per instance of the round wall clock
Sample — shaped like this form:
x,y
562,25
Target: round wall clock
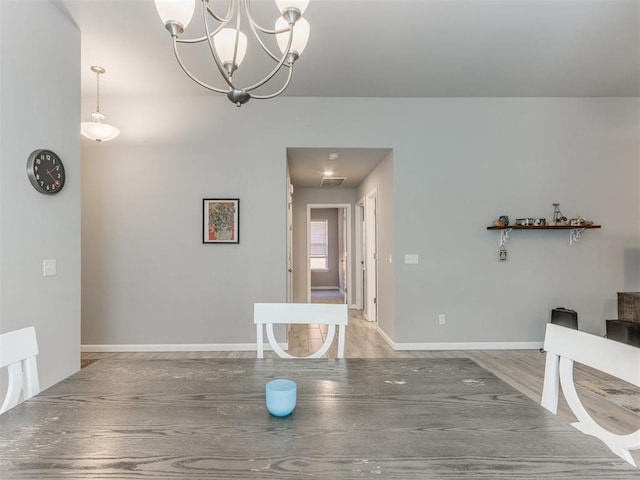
x,y
45,171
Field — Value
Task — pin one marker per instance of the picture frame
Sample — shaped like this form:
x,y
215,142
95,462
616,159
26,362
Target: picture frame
x,y
220,220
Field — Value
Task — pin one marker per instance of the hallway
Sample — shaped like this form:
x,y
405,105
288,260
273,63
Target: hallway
x,y
327,296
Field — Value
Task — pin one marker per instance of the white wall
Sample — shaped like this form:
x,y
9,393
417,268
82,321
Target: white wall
x,y
40,108
457,164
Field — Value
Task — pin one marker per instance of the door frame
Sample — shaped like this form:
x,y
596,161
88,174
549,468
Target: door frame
x,y
347,209
358,297
289,273
368,236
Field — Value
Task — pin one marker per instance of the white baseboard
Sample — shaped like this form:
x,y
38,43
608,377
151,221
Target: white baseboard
x,y
469,346
326,288
461,345
181,347
384,335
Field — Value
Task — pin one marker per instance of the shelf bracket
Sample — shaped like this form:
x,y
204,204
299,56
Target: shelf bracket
x,y
574,235
504,237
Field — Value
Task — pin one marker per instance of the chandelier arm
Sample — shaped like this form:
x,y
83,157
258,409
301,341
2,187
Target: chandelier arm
x,y
216,59
201,39
190,75
223,23
229,12
273,95
261,43
235,46
253,23
253,27
277,67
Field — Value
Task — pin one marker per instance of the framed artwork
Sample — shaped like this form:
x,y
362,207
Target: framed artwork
x,y
221,220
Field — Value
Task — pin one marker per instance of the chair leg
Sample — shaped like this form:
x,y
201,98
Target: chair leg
x,y
259,341
551,386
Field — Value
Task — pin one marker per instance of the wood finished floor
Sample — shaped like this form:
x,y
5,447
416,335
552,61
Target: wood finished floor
x,y
522,369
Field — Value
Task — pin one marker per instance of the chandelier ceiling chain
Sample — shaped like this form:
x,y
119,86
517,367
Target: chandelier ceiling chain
x,y
228,43
96,130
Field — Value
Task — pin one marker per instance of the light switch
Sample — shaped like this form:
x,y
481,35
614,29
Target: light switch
x,y
49,268
411,259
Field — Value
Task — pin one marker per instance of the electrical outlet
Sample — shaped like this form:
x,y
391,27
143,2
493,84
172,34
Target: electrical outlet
x,y
49,267
441,319
411,259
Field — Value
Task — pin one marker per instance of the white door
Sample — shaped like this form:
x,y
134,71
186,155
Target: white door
x,y
370,258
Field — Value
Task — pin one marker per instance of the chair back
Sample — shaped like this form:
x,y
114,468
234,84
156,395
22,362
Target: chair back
x,y
268,314
18,351
564,346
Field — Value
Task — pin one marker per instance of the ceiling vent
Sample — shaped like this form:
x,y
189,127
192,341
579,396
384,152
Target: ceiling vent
x,y
332,181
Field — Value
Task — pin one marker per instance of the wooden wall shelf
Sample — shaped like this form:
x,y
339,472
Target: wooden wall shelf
x,y
575,232
545,227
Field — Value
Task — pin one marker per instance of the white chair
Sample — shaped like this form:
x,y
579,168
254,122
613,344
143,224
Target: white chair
x,y
268,314
18,350
564,346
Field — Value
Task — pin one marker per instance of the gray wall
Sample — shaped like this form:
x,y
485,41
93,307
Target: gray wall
x,y
381,180
330,277
40,108
457,165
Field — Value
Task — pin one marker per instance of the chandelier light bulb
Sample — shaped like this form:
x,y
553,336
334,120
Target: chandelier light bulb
x,y
225,41
301,32
176,13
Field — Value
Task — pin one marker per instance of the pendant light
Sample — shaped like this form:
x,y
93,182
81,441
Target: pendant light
x,y
96,130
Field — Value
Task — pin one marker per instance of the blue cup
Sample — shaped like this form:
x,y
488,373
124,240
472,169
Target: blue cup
x,y
281,397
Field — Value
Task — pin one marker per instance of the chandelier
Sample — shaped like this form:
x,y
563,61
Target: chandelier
x,y
228,44
96,130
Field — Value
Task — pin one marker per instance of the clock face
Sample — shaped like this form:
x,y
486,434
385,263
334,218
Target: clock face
x,y
45,171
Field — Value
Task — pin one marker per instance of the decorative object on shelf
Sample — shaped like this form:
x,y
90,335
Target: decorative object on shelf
x,y
96,130
46,171
558,218
525,221
228,45
501,221
221,220
580,222
538,222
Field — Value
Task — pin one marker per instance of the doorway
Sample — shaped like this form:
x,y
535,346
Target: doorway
x,y
328,253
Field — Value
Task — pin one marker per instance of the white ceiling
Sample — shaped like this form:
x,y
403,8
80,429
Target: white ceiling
x,y
388,48
307,166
